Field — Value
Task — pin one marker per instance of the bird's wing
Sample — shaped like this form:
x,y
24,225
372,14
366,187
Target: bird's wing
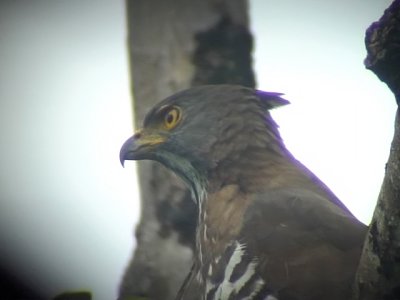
x,y
306,246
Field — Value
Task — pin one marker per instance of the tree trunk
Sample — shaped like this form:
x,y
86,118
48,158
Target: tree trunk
x,y
378,276
175,44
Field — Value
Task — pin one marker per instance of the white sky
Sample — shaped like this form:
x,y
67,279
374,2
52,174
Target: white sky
x,y
340,122
67,208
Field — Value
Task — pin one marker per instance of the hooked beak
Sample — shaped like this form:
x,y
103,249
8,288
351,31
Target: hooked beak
x,y
140,146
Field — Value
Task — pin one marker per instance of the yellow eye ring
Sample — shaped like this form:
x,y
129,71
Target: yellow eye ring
x,y
172,118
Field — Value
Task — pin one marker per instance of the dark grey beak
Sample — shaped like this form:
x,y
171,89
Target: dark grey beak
x,y
141,145
127,150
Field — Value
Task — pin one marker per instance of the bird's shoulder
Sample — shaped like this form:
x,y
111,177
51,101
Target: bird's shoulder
x,y
302,241
298,213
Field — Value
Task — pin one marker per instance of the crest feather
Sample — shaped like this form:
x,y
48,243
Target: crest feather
x,y
271,100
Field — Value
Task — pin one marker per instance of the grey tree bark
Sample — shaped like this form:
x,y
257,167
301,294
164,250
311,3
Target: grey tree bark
x,y
174,44
378,276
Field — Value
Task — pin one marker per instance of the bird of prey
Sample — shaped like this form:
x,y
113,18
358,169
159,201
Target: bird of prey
x,y
268,228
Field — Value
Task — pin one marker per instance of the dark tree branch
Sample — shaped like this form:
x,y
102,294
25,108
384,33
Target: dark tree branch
x,y
378,277
383,46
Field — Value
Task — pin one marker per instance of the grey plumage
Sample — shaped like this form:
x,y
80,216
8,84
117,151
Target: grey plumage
x,y
267,225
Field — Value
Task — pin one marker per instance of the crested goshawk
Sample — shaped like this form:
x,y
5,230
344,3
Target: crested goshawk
x,y
268,228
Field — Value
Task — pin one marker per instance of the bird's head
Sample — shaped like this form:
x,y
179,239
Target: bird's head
x,y
193,131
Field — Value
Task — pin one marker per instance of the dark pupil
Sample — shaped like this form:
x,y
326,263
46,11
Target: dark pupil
x,y
170,118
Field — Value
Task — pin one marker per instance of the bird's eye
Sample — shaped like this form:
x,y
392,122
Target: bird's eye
x,y
172,118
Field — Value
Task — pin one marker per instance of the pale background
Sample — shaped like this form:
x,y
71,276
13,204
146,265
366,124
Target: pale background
x,y
67,207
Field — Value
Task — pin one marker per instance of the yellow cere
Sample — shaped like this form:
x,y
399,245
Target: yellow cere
x,y
151,139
